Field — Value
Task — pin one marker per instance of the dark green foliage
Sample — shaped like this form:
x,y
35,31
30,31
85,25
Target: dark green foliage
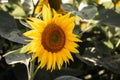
x,y
99,57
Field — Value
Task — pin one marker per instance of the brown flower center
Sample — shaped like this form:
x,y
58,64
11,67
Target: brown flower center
x,y
53,38
55,4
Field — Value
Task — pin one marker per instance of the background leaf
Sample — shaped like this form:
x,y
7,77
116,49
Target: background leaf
x,y
111,63
14,7
67,78
87,12
110,18
8,28
14,57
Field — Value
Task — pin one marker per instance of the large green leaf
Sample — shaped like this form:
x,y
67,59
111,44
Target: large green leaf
x,y
111,63
87,12
14,7
89,58
102,50
101,56
15,56
110,18
69,7
108,5
67,78
8,28
18,56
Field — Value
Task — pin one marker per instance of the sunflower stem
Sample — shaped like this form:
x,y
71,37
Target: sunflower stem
x,y
35,73
31,71
28,72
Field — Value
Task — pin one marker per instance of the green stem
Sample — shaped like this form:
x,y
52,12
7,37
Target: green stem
x,y
31,71
28,72
35,72
73,4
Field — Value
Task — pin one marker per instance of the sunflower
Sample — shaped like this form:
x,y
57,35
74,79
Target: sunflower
x,y
117,5
55,4
98,1
52,40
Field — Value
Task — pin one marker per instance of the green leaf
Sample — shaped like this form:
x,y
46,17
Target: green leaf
x,y
102,50
25,24
18,11
24,49
108,5
110,18
14,8
89,57
8,28
67,78
93,54
117,31
28,7
13,57
87,12
69,7
111,63
109,44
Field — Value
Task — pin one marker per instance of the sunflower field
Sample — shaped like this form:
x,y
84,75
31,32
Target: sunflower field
x,y
59,39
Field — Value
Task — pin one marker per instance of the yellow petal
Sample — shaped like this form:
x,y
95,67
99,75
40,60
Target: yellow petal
x,y
36,20
32,34
38,53
54,61
68,54
71,48
46,12
117,4
59,61
38,9
73,37
44,59
49,61
62,19
55,13
69,27
66,16
71,43
63,56
69,20
37,27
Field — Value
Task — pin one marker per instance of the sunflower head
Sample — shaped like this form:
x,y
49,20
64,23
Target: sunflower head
x,y
55,4
52,39
98,1
117,5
